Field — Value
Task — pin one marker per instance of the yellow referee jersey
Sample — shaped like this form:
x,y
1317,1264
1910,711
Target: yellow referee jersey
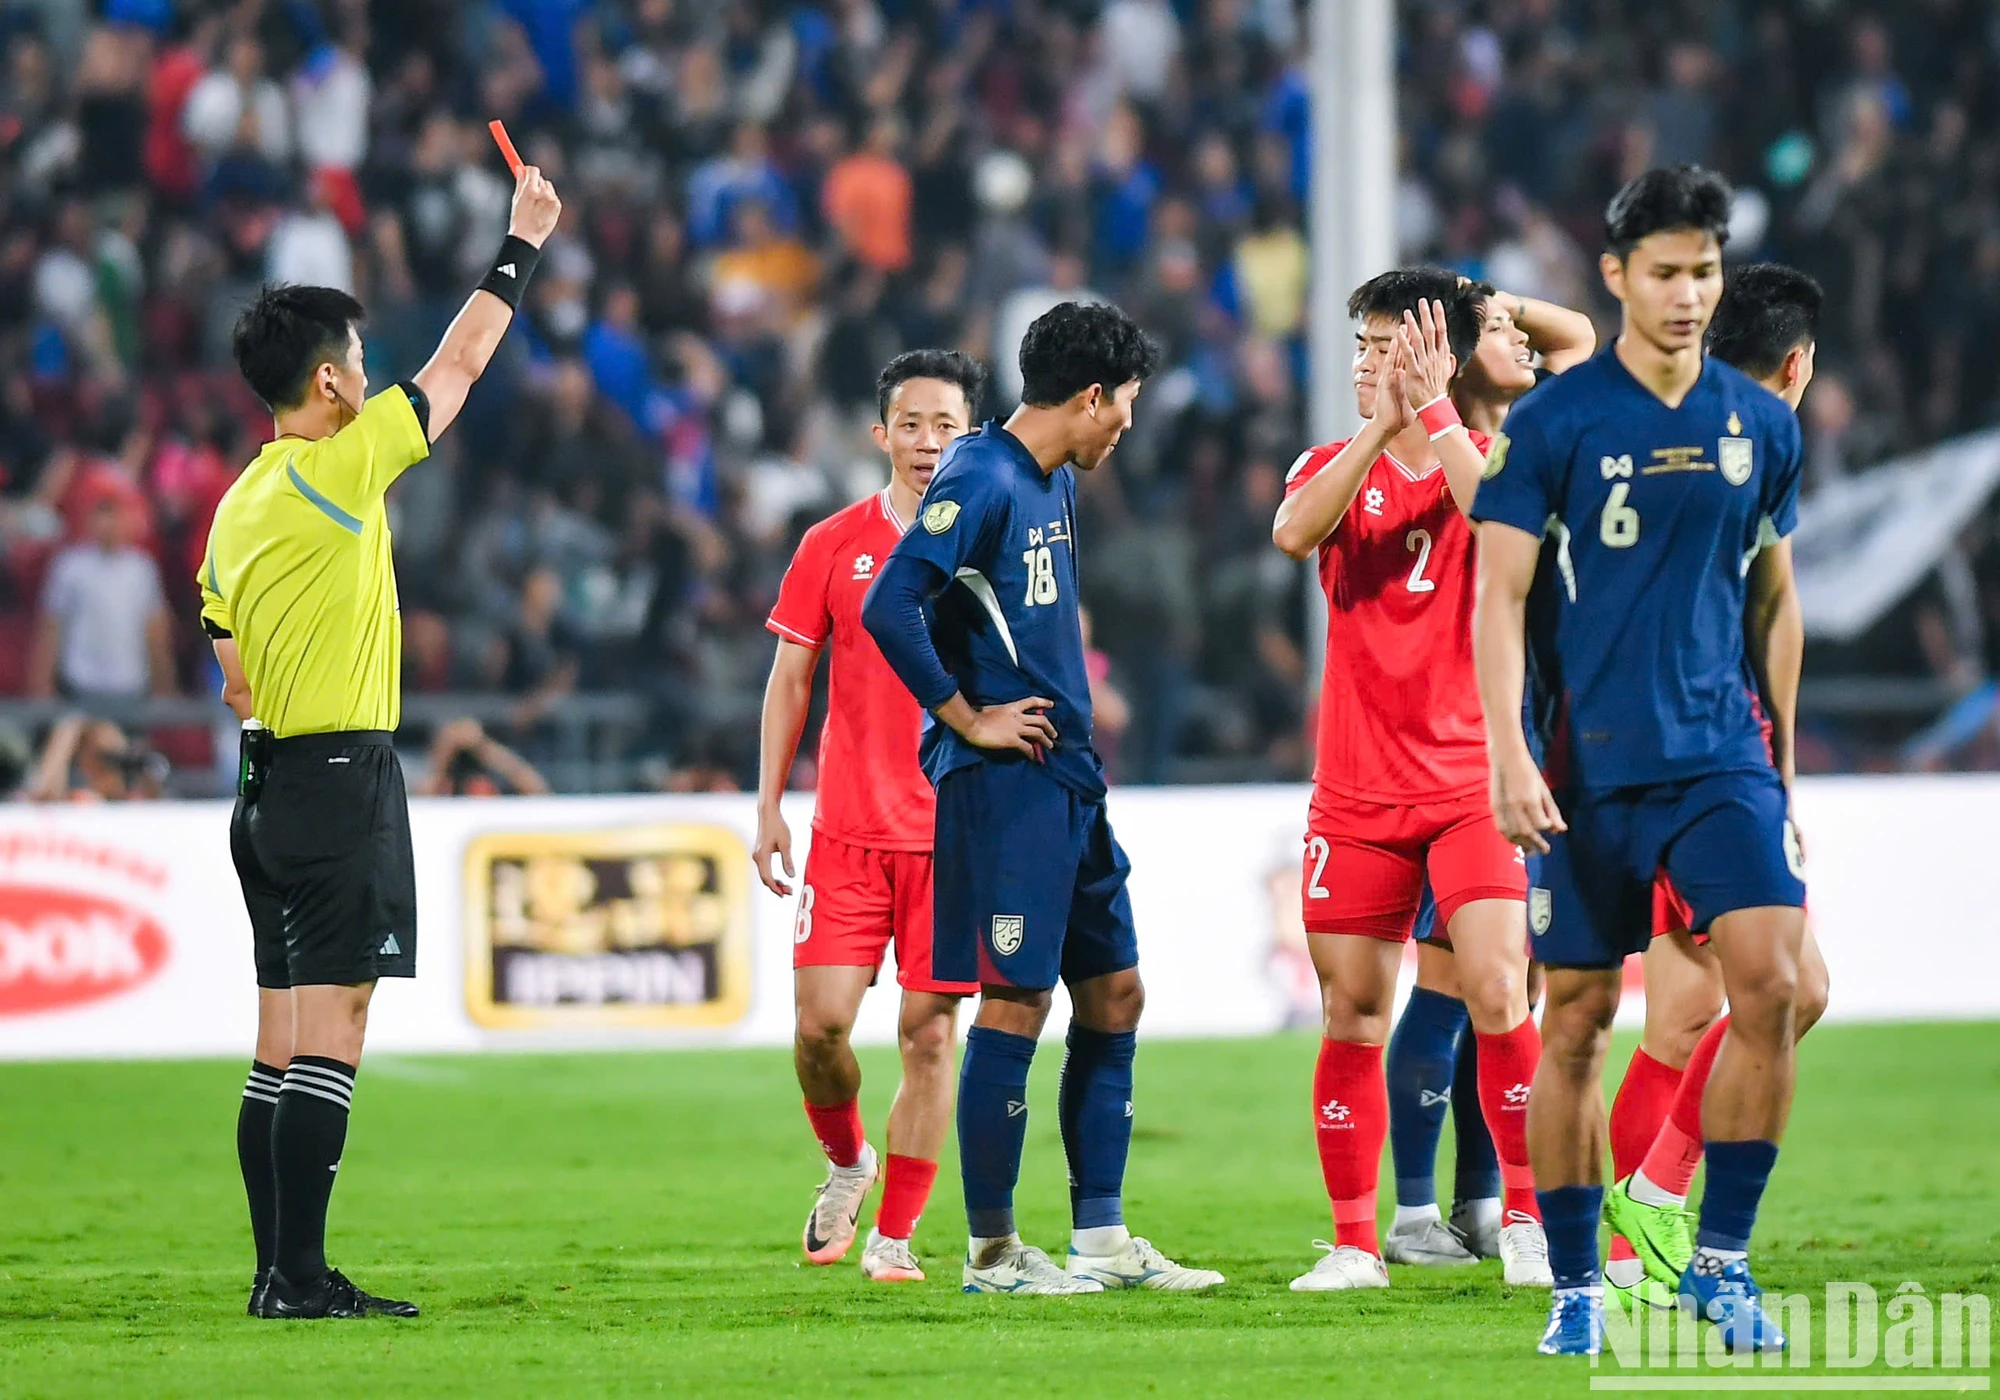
x,y
299,572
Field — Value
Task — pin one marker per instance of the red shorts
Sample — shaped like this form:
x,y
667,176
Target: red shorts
x,y
1671,913
1366,863
856,900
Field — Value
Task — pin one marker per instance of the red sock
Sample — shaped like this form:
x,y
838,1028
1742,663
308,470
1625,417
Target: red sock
x,y
1637,1115
1676,1152
1506,1069
838,1128
1644,1097
906,1188
1351,1118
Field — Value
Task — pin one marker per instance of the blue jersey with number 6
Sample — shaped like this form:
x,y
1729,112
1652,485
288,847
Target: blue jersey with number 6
x,y
994,547
1652,515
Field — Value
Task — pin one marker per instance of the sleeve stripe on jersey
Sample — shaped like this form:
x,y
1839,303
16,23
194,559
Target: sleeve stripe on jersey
x,y
349,523
981,588
801,638
213,586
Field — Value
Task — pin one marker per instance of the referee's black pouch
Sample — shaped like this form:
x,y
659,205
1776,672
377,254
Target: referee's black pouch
x,y
253,760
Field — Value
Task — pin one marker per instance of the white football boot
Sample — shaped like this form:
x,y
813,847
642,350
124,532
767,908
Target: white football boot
x,y
830,1225
1524,1251
1341,1267
1139,1265
1023,1269
1425,1240
884,1260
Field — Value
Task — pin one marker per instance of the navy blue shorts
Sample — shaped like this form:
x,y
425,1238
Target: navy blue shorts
x,y
1029,882
1726,840
1427,929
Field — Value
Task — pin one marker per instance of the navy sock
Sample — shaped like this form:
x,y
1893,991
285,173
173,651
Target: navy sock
x,y
1095,1107
992,1125
1478,1174
1737,1174
1569,1216
1421,1061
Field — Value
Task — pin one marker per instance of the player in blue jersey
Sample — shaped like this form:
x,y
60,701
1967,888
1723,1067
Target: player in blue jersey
x,y
1665,484
976,611
1766,325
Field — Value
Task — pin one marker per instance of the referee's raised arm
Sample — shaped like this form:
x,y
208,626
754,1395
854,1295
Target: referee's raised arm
x,y
298,592
476,331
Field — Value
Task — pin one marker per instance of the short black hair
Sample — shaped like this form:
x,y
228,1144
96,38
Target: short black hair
x,y
1667,200
1392,293
1767,311
288,331
1077,344
951,366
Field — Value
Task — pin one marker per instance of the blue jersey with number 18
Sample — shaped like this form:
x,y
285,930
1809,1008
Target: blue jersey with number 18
x,y
1653,515
998,536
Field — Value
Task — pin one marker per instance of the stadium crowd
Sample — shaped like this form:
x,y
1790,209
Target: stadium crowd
x,y
764,201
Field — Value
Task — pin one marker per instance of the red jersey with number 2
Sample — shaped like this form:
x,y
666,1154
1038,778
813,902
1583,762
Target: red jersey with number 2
x,y
872,793
1399,718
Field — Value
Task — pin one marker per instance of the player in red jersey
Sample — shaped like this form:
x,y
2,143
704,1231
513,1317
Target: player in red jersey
x,y
1431,1061
1399,782
868,875
1766,325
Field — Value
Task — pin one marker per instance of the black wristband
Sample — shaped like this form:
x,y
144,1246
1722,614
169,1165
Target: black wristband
x,y
511,270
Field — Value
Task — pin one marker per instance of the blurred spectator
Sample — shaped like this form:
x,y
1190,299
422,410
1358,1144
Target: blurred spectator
x,y
309,245
1019,311
103,627
867,199
467,762
237,105
86,760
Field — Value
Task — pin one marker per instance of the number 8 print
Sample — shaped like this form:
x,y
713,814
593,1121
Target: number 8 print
x,y
1041,576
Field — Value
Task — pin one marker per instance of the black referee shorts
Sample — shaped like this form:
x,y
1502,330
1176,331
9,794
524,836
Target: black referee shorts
x,y
324,858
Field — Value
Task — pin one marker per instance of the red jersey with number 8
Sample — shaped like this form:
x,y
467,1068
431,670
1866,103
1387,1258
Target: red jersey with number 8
x,y
872,792
1399,718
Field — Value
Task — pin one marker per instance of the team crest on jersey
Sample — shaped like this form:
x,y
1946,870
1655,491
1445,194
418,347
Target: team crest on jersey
x,y
1541,909
1008,931
1372,502
1496,458
1732,455
864,566
939,515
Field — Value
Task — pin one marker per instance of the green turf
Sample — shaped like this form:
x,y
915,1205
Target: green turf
x,y
624,1224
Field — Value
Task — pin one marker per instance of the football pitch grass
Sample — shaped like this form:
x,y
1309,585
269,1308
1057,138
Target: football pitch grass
x,y
617,1224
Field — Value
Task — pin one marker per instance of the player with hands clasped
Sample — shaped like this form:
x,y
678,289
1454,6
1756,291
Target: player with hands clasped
x,y
1399,782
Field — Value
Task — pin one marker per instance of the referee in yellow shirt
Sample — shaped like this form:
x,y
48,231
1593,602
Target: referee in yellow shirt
x,y
299,595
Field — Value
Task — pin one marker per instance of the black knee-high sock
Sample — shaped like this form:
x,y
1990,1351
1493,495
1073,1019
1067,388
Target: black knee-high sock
x,y
307,1134
253,1155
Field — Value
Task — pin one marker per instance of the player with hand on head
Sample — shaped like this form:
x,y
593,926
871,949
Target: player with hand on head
x,y
1664,484
1432,1064
298,592
1767,325
868,878
1400,776
977,611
